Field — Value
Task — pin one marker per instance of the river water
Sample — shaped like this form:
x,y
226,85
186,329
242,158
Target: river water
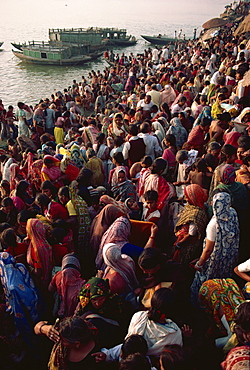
x,y
27,20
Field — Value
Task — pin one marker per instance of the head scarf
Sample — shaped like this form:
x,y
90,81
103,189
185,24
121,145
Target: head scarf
x,y
101,223
54,172
120,263
106,199
237,359
76,156
94,288
71,284
117,170
21,296
220,292
196,195
158,129
14,169
227,174
118,233
39,248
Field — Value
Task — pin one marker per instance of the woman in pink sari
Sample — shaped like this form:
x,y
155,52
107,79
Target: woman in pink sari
x,y
68,283
118,233
39,254
51,171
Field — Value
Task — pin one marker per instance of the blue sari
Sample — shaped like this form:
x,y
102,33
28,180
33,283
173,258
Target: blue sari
x,y
21,296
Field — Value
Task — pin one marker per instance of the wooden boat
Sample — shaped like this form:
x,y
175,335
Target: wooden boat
x,y
109,62
62,55
17,46
160,40
98,37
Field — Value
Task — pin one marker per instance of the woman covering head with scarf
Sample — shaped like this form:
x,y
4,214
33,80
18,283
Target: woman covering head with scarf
x,y
120,270
100,224
221,245
158,130
21,297
190,228
124,188
95,297
76,156
178,131
68,283
118,233
39,254
117,127
51,170
236,189
106,199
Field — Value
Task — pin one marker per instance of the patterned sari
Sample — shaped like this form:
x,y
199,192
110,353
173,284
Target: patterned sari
x,y
21,296
220,292
83,219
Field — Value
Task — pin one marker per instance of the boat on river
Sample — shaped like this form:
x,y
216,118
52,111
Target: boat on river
x,y
160,39
56,54
18,46
98,37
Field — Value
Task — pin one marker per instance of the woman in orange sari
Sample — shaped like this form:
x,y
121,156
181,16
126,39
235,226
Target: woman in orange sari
x,y
39,254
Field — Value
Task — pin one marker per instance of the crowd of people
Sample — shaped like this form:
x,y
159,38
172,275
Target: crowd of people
x,y
124,216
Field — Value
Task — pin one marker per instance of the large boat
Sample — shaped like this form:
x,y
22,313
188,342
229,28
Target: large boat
x,y
160,39
56,54
98,37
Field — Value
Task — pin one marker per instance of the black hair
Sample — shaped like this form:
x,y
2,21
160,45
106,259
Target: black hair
x,y
173,358
150,258
135,343
210,161
8,238
144,128
227,151
75,329
118,157
133,130
48,185
118,141
205,121
57,235
151,195
171,139
4,226
134,362
147,160
60,223
64,191
84,177
159,165
6,202
25,215
42,200
242,321
161,303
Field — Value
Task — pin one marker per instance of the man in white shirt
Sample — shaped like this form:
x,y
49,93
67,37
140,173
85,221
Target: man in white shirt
x,y
165,53
146,105
153,148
